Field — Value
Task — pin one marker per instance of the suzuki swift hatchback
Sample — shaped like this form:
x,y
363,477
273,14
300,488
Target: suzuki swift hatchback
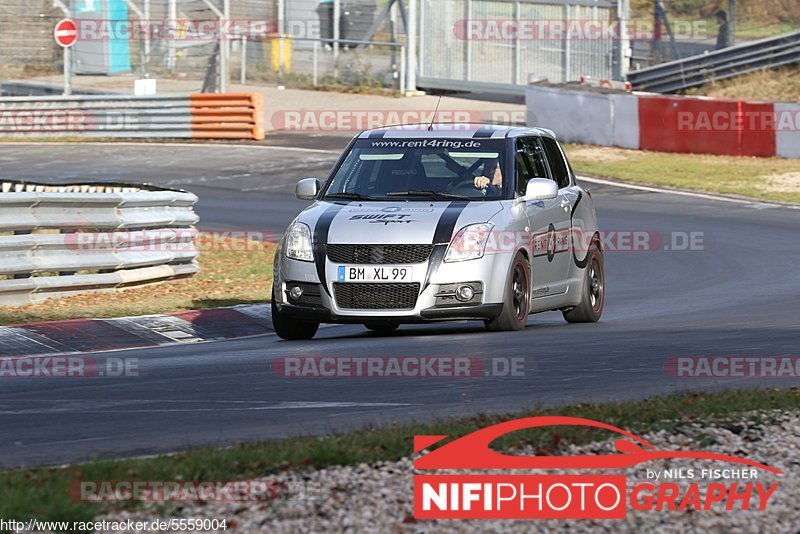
x,y
436,223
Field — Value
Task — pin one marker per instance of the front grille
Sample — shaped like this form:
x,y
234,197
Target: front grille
x,y
376,296
379,254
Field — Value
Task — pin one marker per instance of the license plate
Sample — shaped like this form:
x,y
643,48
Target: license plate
x,y
370,273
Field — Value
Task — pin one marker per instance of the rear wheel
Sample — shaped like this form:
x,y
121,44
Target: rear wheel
x,y
516,305
289,328
382,328
593,291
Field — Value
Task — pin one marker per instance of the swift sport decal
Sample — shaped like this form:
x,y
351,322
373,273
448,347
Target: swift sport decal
x,y
384,218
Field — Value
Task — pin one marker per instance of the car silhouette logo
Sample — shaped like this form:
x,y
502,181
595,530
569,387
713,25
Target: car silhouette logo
x,y
473,452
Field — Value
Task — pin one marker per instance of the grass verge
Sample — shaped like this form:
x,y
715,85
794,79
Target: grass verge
x,y
768,84
760,178
42,492
233,271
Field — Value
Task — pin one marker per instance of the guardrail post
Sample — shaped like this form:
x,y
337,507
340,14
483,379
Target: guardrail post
x,y
22,276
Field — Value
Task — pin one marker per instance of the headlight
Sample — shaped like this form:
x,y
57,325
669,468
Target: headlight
x,y
469,243
298,242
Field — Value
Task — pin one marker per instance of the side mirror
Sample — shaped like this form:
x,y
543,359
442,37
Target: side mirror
x,y
307,189
541,189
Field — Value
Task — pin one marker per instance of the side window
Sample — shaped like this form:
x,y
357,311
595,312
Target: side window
x,y
530,162
557,163
523,165
537,156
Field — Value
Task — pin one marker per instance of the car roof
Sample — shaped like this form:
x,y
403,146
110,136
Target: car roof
x,y
453,130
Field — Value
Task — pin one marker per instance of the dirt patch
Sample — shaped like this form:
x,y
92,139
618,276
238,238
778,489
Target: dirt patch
x,y
788,182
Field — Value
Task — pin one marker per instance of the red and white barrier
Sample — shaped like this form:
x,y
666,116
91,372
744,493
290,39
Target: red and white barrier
x,y
645,121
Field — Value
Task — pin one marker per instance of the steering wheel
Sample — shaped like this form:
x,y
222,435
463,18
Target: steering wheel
x,y
464,187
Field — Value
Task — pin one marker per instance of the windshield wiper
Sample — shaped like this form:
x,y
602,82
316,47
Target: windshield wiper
x,y
426,193
348,196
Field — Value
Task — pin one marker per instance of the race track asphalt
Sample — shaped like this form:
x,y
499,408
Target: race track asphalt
x,y
739,295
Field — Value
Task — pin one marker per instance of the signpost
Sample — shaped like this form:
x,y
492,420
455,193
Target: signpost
x,y
65,34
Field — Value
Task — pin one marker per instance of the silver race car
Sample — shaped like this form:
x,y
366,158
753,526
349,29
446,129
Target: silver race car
x,y
436,223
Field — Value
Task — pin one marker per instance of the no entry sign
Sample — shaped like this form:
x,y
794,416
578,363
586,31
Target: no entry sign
x,y
65,33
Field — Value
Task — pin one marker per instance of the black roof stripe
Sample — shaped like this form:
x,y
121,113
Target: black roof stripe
x,y
484,131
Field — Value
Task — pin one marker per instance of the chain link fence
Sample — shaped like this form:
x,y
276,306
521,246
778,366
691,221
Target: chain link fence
x,y
293,42
253,41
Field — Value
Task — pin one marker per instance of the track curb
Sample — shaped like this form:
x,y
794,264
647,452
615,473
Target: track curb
x,y
80,336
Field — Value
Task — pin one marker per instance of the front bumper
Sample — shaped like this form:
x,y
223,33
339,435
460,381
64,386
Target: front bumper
x,y
464,313
434,277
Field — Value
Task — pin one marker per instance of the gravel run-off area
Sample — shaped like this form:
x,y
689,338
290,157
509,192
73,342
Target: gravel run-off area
x,y
379,497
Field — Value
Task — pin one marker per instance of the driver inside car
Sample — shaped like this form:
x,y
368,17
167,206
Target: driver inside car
x,y
491,175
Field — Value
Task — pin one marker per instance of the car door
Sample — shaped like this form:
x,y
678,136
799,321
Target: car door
x,y
546,221
567,197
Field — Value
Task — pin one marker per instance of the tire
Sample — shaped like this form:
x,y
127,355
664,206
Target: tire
x,y
382,328
289,328
593,292
517,302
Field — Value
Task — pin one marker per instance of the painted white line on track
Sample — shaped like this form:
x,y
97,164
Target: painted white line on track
x,y
706,196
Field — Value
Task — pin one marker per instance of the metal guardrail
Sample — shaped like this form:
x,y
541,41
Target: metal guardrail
x,y
57,240
203,116
718,65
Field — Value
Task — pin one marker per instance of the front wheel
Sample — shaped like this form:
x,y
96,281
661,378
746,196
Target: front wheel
x,y
516,305
592,293
289,328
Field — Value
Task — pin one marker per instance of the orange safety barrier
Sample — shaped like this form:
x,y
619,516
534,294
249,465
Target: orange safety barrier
x,y
227,116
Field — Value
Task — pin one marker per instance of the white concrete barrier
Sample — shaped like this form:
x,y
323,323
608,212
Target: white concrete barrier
x,y
575,116
787,124
625,126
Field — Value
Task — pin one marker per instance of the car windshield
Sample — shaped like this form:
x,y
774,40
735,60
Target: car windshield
x,y
440,169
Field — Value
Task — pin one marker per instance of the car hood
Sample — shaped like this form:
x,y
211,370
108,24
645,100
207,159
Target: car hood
x,y
392,222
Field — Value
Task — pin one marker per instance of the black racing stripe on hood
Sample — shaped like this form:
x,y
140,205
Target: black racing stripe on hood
x,y
321,230
447,221
441,237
